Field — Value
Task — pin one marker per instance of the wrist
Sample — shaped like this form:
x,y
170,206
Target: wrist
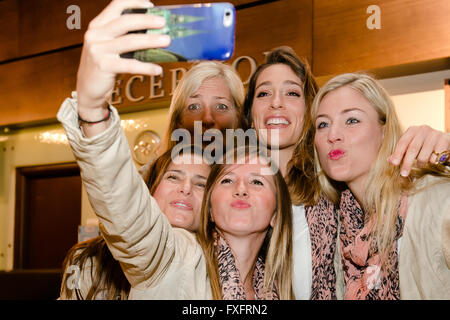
x,y
95,115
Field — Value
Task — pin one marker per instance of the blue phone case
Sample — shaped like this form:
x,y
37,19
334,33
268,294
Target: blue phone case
x,y
197,31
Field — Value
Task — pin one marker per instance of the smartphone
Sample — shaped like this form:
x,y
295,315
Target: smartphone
x,y
203,31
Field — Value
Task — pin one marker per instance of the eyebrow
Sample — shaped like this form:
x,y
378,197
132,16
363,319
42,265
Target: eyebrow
x,y
183,173
266,83
195,96
343,111
254,174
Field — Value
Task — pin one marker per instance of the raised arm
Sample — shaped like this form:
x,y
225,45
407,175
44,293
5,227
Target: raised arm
x,y
105,39
136,231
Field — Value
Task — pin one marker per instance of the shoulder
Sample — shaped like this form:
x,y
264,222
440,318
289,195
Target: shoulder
x,y
186,245
430,188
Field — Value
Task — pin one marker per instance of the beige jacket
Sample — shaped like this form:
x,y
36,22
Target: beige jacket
x,y
424,249
159,261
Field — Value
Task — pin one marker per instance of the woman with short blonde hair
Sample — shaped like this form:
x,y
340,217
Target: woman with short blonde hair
x,y
190,84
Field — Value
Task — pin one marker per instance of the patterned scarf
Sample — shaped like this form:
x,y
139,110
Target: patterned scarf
x,y
364,277
323,224
232,287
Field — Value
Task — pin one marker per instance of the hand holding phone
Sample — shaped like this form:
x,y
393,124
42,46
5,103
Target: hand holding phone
x,y
197,31
106,38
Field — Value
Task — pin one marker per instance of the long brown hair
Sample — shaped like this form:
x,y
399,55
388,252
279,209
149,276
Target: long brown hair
x,y
277,247
106,273
300,177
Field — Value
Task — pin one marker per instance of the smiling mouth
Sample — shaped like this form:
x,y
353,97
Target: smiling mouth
x,y
277,122
181,205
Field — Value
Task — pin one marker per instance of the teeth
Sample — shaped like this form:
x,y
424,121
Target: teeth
x,y
180,204
277,121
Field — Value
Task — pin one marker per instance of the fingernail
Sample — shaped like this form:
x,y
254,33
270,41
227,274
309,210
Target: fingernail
x,y
165,38
404,173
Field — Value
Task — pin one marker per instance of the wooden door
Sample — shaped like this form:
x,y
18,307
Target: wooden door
x,y
48,213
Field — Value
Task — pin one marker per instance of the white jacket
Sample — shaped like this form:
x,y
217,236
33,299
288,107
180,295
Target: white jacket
x,y
159,261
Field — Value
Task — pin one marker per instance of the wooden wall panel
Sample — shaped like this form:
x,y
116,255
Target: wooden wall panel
x,y
9,29
411,31
40,26
31,90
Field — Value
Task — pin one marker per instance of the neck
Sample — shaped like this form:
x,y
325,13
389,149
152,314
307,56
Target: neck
x,y
284,156
358,188
245,250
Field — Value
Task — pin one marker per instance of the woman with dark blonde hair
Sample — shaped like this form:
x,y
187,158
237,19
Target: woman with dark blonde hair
x,y
100,276
394,235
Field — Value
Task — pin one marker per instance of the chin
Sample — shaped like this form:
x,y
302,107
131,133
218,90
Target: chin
x,y
338,174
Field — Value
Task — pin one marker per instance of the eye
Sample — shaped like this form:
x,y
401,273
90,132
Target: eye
x,y
226,181
193,107
172,177
199,183
352,121
262,94
294,94
222,107
322,125
257,182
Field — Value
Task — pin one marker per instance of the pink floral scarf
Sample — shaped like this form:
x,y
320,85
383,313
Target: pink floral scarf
x,y
364,277
323,229
232,287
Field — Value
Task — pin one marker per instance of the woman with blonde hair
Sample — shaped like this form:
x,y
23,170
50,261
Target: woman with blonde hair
x,y
197,98
394,234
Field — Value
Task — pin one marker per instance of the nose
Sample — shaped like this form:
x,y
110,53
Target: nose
x,y
241,189
185,187
207,118
277,101
334,134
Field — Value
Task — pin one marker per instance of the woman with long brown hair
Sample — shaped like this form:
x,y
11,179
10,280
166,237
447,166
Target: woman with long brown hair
x,y
178,190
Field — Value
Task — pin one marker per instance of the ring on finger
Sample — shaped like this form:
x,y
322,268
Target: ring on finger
x,y
443,158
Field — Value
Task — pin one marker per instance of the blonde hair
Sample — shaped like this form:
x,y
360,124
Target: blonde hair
x,y
191,82
277,247
384,182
